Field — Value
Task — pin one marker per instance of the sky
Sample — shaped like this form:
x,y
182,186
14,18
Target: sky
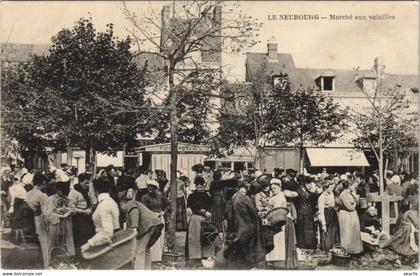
x,y
333,44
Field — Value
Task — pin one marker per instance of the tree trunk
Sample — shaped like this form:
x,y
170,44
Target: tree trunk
x,y
381,170
87,158
90,160
69,155
174,159
301,154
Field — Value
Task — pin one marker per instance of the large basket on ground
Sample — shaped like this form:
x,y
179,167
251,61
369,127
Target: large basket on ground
x,y
322,257
340,256
277,218
120,252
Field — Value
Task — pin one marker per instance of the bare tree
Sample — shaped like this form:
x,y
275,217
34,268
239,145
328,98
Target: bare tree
x,y
386,123
180,35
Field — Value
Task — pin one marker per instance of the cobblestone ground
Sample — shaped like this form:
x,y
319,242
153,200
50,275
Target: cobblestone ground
x,y
29,258
367,262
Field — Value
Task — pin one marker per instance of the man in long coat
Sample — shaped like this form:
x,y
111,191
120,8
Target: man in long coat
x,y
245,247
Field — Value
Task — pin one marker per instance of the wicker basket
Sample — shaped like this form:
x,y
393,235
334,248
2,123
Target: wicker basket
x,y
277,218
120,252
322,257
340,260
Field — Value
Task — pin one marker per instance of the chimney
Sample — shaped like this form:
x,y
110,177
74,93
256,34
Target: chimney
x,y
272,49
217,15
165,17
166,12
379,66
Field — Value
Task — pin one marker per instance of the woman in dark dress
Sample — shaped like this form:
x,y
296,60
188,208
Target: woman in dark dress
x,y
80,202
219,202
200,204
181,208
305,225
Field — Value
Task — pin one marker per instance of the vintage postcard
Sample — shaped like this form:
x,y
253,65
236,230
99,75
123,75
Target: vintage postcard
x,y
209,135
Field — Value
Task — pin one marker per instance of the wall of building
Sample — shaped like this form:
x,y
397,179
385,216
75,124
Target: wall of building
x,y
279,158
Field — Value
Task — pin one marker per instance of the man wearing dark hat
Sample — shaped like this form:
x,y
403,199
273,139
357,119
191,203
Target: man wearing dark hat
x,y
161,179
278,172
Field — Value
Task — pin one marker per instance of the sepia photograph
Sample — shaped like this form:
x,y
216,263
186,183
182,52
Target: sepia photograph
x,y
209,135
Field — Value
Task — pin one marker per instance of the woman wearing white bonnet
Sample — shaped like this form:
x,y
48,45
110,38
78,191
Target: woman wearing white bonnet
x,y
15,191
258,173
394,186
284,253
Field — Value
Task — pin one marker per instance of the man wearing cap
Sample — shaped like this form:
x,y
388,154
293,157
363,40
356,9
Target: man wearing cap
x,y
155,201
292,185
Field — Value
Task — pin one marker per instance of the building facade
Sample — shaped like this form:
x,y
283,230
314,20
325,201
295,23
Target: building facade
x,y
343,87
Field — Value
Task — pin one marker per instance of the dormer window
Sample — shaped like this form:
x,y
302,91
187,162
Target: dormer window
x,y
327,84
326,81
367,81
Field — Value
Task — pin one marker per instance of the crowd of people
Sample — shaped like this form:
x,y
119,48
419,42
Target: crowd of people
x,y
219,210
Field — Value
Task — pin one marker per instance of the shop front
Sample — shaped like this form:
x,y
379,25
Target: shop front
x,y
336,160
158,157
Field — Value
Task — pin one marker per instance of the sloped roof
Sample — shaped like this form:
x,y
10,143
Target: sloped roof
x,y
258,61
344,79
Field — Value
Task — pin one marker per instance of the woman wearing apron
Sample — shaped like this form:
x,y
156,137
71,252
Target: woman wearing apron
x,y
158,203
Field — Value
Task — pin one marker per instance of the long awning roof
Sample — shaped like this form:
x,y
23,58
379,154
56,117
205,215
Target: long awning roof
x,y
336,157
182,148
